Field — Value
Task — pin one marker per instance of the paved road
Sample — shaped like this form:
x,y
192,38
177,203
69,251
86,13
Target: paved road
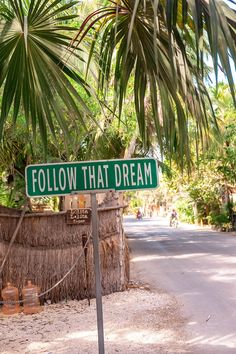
x,y
199,268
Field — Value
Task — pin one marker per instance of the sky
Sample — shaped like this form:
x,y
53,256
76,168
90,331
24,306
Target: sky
x,y
221,76
231,4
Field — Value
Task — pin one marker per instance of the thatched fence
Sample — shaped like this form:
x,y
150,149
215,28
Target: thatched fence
x,y
46,247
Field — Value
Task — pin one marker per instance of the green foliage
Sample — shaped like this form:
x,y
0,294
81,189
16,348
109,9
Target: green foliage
x,y
36,66
152,54
209,186
204,190
223,152
160,46
218,219
14,150
226,165
184,207
135,200
12,190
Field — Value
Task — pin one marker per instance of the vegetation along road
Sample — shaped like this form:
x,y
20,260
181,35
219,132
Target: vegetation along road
x,y
197,266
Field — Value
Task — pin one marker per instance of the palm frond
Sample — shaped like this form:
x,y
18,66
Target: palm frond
x,y
35,71
162,45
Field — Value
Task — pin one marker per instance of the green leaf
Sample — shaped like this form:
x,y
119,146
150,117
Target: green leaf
x,y
35,72
162,45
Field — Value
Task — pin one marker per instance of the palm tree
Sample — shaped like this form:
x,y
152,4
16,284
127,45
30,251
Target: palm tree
x,y
36,70
160,47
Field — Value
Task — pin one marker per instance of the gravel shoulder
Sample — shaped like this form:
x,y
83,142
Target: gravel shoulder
x,y
137,320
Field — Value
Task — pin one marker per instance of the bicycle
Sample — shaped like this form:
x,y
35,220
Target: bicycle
x,y
174,222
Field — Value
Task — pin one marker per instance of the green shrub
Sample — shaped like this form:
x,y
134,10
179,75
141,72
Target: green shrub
x,y
218,219
185,210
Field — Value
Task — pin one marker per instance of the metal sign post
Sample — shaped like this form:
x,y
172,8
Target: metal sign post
x,y
91,177
97,273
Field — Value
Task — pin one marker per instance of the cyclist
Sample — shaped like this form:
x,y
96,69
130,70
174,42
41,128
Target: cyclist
x,y
173,217
139,215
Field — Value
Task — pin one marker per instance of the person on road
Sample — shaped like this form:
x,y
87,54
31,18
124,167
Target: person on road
x,y
173,217
139,214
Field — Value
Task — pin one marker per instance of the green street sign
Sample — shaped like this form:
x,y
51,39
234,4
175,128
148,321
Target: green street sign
x,y
74,177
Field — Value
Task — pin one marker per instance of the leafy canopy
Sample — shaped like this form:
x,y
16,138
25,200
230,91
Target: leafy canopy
x,y
163,44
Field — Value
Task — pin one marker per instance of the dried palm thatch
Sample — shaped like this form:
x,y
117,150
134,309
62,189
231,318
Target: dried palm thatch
x,y
46,247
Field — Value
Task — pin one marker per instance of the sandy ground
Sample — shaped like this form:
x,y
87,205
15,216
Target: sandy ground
x,y
135,321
